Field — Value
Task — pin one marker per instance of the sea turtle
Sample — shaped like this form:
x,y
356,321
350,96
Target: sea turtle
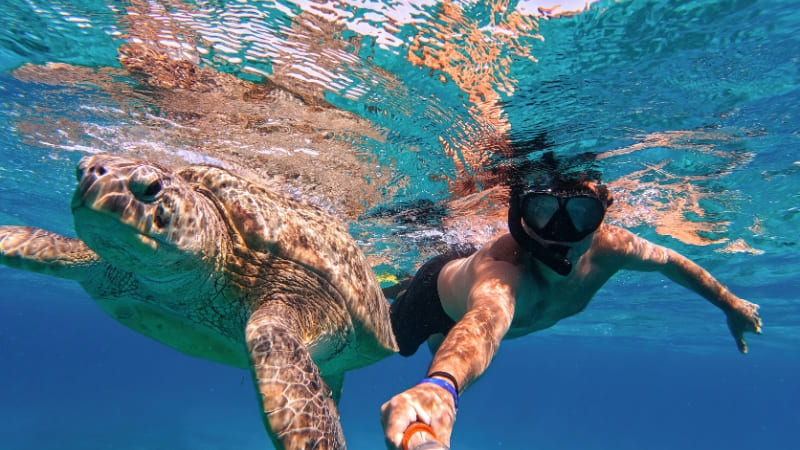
x,y
222,268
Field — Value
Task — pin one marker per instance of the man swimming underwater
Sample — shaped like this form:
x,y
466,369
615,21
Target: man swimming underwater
x,y
557,254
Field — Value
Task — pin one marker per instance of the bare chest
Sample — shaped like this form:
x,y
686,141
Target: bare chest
x,y
541,304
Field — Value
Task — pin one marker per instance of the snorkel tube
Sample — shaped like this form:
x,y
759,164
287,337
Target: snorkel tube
x,y
552,255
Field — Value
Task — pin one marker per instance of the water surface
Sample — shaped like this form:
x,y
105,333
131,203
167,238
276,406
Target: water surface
x,y
403,119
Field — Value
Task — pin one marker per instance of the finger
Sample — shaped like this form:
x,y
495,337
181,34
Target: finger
x,y
738,335
397,442
423,416
757,322
385,413
741,344
393,437
444,438
400,421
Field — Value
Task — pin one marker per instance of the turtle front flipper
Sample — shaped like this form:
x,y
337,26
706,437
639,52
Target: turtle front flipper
x,y
41,251
298,409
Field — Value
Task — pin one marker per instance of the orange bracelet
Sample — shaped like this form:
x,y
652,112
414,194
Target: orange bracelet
x,y
414,428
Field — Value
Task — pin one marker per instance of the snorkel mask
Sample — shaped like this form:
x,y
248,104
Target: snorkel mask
x,y
559,217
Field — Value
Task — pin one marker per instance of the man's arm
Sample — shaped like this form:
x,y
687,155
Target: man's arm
x,y
472,343
643,255
465,354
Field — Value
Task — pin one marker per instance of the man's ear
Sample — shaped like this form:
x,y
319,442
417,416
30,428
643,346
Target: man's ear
x,y
604,192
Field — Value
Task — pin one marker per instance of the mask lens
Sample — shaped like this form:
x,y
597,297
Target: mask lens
x,y
586,213
538,209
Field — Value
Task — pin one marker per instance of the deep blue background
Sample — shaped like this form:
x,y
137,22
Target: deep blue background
x,y
72,378
77,379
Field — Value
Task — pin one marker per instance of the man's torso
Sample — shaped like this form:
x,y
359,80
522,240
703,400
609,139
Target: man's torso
x,y
541,297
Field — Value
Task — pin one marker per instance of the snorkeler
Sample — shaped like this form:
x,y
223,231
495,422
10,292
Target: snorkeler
x,y
555,257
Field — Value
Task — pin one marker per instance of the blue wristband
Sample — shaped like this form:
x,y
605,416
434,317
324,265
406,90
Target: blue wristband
x,y
444,384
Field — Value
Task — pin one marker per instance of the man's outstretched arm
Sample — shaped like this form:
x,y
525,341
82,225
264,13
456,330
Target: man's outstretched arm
x,y
464,354
643,255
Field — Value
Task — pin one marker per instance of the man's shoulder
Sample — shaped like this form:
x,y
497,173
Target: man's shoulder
x,y
613,241
623,246
501,247
612,236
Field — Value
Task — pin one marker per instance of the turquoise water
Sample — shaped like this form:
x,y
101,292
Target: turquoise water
x,y
688,109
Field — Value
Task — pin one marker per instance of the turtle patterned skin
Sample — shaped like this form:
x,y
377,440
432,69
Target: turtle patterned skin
x,y
222,268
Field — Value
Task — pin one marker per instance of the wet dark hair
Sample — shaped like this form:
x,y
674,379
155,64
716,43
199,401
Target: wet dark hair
x,y
577,183
562,175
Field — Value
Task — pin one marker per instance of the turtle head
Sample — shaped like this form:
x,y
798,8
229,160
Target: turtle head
x,y
143,218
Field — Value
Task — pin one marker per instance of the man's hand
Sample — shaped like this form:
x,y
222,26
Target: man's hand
x,y
743,317
426,403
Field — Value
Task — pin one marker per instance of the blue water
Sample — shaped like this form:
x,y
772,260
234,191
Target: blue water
x,y
688,109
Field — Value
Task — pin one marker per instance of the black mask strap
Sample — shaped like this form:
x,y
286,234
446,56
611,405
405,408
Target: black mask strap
x,y
552,255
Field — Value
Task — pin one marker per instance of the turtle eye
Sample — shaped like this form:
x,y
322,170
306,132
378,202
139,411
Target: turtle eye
x,y
146,190
153,189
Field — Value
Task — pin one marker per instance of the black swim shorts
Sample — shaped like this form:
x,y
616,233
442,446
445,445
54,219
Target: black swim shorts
x,y
417,313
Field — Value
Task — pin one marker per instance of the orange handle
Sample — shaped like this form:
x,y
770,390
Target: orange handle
x,y
416,427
